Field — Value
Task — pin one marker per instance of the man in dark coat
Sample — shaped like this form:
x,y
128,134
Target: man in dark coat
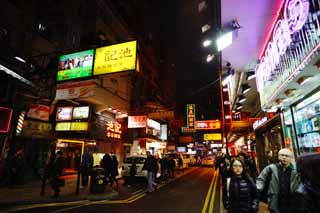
x,y
151,166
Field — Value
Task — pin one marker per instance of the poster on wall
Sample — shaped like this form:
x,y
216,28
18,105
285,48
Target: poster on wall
x,y
115,58
38,111
64,113
75,65
137,121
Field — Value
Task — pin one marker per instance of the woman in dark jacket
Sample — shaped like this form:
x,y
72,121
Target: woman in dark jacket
x,y
239,191
309,170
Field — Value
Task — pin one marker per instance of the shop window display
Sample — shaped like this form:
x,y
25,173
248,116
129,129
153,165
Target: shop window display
x,y
307,119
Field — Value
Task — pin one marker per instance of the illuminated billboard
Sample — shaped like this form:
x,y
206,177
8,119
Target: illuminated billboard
x,y
64,113
115,58
75,65
81,112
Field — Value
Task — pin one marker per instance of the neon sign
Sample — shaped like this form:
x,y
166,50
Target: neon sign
x,y
295,15
113,129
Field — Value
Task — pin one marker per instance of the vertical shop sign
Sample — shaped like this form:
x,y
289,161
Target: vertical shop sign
x,y
113,129
191,115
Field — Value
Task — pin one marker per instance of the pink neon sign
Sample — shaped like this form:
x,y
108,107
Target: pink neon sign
x,y
295,15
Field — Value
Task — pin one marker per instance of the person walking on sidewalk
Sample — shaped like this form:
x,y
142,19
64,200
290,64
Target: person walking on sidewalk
x,y
114,171
86,168
180,164
150,166
281,180
171,167
107,165
239,191
309,190
56,171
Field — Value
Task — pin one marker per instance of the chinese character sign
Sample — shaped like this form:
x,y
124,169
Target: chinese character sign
x,y
113,129
115,58
191,115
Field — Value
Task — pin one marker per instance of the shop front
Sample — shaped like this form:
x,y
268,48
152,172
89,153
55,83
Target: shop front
x,y
288,77
269,140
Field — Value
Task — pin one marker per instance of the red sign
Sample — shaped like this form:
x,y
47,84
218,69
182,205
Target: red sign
x,y
5,121
191,115
38,111
137,121
211,124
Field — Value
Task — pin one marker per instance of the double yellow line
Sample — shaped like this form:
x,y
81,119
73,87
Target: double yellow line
x,y
211,194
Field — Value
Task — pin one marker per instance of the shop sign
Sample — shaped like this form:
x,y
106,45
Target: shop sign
x,y
137,121
164,132
81,112
113,129
191,115
210,124
185,139
72,90
75,65
64,113
258,123
153,124
115,58
161,115
212,137
38,111
295,15
79,126
5,121
36,129
63,126
187,130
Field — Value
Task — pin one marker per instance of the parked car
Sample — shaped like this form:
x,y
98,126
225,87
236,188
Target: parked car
x,y
207,161
139,160
185,161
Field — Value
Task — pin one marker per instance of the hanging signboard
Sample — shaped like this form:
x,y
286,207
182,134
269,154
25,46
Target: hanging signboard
x,y
210,124
137,121
38,111
72,90
115,58
191,116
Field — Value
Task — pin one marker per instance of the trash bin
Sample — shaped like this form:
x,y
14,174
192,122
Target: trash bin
x,y
97,181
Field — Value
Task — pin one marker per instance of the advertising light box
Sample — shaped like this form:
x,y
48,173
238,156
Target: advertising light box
x,y
75,65
79,126
63,126
64,113
115,58
81,112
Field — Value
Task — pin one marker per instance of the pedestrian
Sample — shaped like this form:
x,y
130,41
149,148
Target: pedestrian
x,y
239,191
164,167
171,167
86,168
281,180
180,164
133,172
150,166
16,166
309,170
114,171
55,172
107,165
225,168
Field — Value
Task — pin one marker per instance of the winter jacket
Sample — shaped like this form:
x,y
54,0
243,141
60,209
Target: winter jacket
x,y
273,189
150,164
240,196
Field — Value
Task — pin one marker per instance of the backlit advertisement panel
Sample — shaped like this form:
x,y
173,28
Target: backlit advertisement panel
x,y
64,113
115,58
75,65
81,112
137,121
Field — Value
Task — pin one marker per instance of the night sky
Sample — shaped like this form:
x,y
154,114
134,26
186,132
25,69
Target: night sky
x,y
182,37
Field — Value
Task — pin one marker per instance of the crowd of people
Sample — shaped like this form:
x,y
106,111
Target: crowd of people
x,y
284,185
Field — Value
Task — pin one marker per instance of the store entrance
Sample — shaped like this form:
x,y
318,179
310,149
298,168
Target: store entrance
x,y
72,153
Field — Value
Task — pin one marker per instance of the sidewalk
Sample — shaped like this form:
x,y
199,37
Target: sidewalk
x,y
30,193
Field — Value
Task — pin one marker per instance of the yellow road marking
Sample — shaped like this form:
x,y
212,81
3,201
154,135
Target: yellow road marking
x,y
213,193
204,208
